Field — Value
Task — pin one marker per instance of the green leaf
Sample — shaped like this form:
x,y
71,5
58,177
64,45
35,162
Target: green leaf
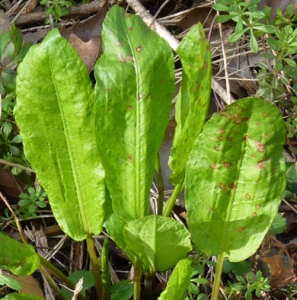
x,y
152,238
220,7
223,18
278,225
114,226
238,268
193,98
16,296
10,282
253,42
134,90
16,257
88,282
291,178
122,290
56,120
178,281
235,178
234,37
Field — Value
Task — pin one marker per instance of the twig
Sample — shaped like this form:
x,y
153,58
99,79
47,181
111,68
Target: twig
x,y
291,206
225,63
76,11
11,164
158,11
16,219
172,41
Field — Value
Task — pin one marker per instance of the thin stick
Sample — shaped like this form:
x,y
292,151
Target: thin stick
x,y
158,11
11,164
16,219
225,62
172,41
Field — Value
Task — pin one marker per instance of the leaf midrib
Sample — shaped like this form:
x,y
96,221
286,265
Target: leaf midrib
x,y
69,149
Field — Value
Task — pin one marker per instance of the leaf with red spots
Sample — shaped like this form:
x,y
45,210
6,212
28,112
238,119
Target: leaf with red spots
x,y
193,98
235,178
134,90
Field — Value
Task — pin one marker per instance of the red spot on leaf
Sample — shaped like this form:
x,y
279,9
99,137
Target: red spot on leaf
x,y
212,166
227,164
261,164
254,214
131,28
131,158
264,115
232,185
138,49
258,206
222,186
246,137
240,229
229,138
118,43
260,146
248,196
216,148
221,138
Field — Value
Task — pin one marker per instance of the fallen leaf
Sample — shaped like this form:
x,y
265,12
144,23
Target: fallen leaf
x,y
88,51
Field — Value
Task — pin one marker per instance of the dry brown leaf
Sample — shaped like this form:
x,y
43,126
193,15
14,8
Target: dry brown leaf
x,y
10,186
88,51
85,37
281,269
30,7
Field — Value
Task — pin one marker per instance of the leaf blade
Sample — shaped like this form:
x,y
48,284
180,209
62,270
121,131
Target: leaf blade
x,y
135,86
236,176
151,239
16,257
178,281
193,98
55,119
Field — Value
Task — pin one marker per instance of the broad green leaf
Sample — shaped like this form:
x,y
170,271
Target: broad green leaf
x,y
10,282
134,90
153,238
235,178
16,257
178,281
122,290
114,226
16,296
55,114
193,98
